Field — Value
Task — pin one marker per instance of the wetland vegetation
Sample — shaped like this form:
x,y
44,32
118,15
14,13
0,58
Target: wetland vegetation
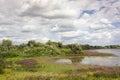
x,y
37,61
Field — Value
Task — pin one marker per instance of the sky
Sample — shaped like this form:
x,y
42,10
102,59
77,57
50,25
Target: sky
x,y
94,22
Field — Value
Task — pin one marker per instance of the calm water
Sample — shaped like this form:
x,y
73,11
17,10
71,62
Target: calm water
x,y
113,51
102,61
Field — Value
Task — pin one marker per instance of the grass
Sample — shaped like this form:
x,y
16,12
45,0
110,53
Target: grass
x,y
46,70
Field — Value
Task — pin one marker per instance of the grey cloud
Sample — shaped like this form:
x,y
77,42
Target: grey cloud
x,y
26,31
6,23
50,11
63,28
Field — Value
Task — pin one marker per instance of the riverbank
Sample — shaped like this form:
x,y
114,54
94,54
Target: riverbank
x,y
92,53
42,68
96,53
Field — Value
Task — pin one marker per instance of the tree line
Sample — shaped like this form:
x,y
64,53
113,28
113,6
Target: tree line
x,y
33,48
87,47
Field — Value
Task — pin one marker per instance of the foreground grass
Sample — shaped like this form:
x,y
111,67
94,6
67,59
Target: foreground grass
x,y
45,69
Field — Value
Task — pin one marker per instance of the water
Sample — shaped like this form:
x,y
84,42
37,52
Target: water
x,y
113,51
63,61
102,61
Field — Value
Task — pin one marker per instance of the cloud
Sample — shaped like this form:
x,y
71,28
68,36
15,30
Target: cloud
x,y
94,22
49,9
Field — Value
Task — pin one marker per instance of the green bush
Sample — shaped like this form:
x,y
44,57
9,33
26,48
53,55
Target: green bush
x,y
33,48
76,48
39,51
2,64
66,51
9,54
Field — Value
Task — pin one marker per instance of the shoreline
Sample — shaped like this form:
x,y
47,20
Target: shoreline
x,y
96,53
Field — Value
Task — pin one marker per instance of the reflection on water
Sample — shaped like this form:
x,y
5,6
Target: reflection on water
x,y
63,61
70,60
76,59
102,61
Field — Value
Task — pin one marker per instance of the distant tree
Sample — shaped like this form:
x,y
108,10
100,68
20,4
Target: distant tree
x,y
76,48
2,64
60,45
21,46
39,44
31,43
6,45
52,43
86,47
49,42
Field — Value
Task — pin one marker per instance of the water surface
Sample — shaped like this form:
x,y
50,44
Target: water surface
x,y
104,61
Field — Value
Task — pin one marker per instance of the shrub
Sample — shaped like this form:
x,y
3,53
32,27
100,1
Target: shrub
x,y
1,65
66,51
9,54
76,48
45,50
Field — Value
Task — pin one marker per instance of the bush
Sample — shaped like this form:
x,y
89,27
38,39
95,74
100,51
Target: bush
x,y
2,64
33,48
66,51
39,51
76,48
9,54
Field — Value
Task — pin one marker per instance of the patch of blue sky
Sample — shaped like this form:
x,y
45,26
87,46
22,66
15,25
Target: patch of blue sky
x,y
90,12
116,24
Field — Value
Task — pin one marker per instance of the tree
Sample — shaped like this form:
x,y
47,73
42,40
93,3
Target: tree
x,y
2,64
86,47
6,44
76,48
60,45
57,44
49,42
31,43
